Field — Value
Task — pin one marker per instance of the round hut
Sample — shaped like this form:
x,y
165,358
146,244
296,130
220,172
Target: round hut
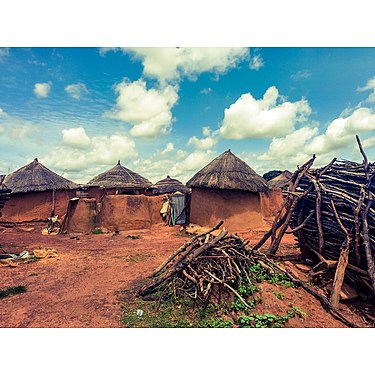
x,y
281,181
169,186
177,211
37,194
227,189
122,202
119,180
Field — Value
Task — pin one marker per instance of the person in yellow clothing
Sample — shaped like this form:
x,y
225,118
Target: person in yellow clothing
x,y
164,208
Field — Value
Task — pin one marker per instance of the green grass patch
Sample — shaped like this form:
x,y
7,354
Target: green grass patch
x,y
279,295
12,291
97,231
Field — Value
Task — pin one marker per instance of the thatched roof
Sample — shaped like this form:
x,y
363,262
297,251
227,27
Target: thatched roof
x,y
281,181
36,177
227,171
120,177
169,185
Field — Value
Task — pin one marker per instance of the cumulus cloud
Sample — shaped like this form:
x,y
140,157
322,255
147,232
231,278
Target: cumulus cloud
x,y
340,132
301,74
369,86
41,90
263,118
168,148
256,62
76,90
148,111
336,140
167,64
97,152
204,143
76,137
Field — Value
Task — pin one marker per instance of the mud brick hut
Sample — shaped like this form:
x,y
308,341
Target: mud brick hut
x,y
37,194
115,201
179,196
228,189
282,181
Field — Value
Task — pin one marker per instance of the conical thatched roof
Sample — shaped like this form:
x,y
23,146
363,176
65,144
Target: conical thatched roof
x,y
227,171
281,181
120,177
36,177
169,185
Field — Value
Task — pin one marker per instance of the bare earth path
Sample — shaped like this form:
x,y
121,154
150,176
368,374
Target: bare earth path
x,y
80,288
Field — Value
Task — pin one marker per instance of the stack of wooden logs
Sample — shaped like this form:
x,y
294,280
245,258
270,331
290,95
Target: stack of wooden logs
x,y
201,264
4,193
330,211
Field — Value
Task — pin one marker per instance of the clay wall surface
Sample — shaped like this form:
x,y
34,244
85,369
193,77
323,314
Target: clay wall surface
x,y
35,206
83,218
129,212
240,210
270,202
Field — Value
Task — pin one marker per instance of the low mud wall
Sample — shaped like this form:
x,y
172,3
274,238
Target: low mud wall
x,y
35,206
240,210
270,202
128,212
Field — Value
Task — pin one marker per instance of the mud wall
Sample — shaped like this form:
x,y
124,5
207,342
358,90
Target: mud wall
x,y
240,210
270,202
35,206
83,218
128,212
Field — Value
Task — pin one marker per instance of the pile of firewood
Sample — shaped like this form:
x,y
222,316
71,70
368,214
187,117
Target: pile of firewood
x,y
330,211
4,193
201,264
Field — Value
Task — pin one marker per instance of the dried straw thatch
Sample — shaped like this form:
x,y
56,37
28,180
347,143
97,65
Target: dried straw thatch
x,y
36,177
227,171
281,181
121,178
168,186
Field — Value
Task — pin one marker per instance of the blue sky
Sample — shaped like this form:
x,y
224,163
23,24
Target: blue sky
x,y
170,111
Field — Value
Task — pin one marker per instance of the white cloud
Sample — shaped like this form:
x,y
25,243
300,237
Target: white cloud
x,y
204,143
147,111
369,86
206,91
76,90
340,132
41,90
291,146
338,140
167,64
76,137
99,151
301,74
256,62
263,118
168,148
15,128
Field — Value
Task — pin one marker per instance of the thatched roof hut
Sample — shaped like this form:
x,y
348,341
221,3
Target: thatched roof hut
x,y
281,181
228,171
121,178
169,185
35,177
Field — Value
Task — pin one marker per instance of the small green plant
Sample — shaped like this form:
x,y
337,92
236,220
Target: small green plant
x,y
97,231
282,279
217,323
258,273
295,310
11,291
279,295
266,320
237,305
134,237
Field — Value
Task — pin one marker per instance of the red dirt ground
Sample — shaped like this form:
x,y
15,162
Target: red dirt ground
x,y
80,288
